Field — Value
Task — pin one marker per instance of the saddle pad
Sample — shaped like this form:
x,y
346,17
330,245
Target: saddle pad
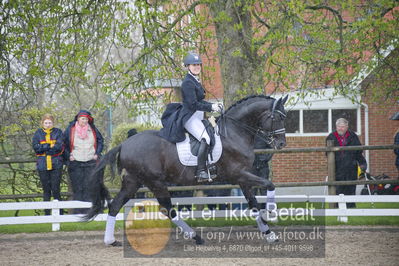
x,y
188,159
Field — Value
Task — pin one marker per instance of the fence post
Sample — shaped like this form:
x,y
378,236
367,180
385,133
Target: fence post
x,y
331,169
55,212
342,206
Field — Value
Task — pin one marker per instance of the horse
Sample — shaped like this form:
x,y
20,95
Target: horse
x,y
153,161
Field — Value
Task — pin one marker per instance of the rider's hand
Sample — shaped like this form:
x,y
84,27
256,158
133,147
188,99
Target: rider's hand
x,y
217,107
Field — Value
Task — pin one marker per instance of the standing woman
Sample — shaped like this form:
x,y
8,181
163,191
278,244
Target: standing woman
x,y
48,146
83,147
190,113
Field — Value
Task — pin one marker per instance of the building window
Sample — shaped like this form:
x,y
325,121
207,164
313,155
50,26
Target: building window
x,y
315,121
292,122
319,122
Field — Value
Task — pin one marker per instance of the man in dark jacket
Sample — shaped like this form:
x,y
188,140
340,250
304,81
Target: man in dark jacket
x,y
346,162
396,141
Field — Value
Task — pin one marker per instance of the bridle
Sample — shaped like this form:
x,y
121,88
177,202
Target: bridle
x,y
268,136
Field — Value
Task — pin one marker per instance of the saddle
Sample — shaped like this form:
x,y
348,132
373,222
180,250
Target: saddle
x,y
188,149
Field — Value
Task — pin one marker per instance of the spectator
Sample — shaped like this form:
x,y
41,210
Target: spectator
x,y
261,163
346,162
83,147
396,141
48,146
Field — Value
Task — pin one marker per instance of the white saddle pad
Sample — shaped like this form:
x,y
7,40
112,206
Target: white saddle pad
x,y
188,159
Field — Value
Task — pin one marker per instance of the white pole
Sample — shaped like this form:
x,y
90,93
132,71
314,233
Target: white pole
x,y
55,212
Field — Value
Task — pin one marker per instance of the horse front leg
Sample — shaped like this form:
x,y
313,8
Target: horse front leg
x,y
248,179
246,185
250,197
164,200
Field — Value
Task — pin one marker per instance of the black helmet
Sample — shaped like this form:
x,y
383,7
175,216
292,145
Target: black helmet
x,y
395,116
191,59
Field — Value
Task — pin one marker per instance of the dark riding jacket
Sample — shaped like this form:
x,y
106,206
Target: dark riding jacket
x,y
346,162
48,147
177,114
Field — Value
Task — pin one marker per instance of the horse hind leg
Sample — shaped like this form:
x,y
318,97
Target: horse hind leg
x,y
166,203
130,185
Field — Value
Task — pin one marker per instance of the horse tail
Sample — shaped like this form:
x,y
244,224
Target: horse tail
x,y
99,194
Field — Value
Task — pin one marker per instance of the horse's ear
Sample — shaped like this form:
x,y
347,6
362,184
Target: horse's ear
x,y
284,100
275,104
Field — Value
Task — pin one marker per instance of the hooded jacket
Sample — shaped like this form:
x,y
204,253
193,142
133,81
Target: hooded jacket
x,y
70,131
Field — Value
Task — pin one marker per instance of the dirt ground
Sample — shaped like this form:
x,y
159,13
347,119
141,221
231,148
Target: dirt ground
x,y
344,246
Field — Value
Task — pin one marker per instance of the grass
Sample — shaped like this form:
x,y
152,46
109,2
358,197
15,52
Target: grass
x,y
214,222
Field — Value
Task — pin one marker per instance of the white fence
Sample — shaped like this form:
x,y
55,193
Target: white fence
x,y
342,212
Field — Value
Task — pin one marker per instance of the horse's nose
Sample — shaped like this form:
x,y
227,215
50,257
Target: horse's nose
x,y
281,145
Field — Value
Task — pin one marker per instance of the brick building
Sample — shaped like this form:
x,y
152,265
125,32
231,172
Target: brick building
x,y
311,120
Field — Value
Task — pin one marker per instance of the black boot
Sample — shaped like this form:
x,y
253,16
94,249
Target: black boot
x,y
202,172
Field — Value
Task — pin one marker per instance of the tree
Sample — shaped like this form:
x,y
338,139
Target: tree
x,y
83,53
280,45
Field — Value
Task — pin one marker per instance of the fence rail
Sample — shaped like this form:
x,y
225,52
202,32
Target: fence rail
x,y
331,183
207,187
55,218
9,160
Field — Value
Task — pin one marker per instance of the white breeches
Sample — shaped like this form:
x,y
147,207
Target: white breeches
x,y
195,126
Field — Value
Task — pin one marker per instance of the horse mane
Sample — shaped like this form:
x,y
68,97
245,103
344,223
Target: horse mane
x,y
239,102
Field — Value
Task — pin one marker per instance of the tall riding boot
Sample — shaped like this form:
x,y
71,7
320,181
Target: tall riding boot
x,y
202,174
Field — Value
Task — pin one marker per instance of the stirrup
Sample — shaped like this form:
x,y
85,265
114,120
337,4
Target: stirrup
x,y
212,171
203,176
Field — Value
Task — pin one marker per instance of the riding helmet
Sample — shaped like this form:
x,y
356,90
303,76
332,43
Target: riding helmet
x,y
192,58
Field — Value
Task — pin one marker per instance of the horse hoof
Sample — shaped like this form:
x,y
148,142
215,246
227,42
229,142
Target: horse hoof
x,y
199,240
116,244
271,237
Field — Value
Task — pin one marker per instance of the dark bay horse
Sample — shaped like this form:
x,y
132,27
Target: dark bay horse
x,y
153,161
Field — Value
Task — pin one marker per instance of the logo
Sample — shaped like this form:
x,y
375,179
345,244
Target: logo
x,y
147,229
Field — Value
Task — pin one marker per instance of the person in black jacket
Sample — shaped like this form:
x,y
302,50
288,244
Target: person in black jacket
x,y
396,141
347,162
189,114
48,146
83,147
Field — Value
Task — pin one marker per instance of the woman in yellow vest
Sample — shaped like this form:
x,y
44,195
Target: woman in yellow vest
x,y
48,145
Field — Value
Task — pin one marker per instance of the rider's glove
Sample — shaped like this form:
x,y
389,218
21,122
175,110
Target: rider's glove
x,y
217,107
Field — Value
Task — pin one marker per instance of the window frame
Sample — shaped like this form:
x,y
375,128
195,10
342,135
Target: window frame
x,y
331,124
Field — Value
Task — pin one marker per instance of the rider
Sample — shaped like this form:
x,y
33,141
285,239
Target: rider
x,y
190,113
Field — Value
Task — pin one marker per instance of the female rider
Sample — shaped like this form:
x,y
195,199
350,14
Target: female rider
x,y
190,113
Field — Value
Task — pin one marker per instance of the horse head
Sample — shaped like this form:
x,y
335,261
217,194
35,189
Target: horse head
x,y
261,115
272,124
